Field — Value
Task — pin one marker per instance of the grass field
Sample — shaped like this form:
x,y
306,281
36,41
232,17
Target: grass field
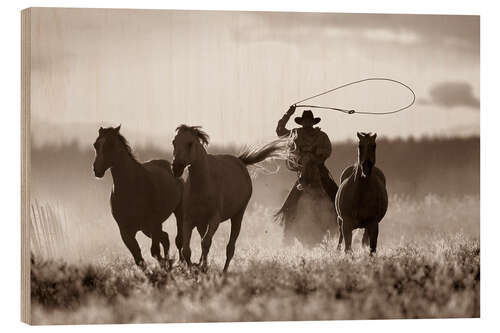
x,y
427,266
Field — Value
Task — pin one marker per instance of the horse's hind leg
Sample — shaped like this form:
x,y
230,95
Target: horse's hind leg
x,y
366,239
235,231
341,235
373,235
157,237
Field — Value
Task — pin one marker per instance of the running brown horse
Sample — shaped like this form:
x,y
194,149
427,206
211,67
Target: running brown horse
x,y
361,201
144,195
218,188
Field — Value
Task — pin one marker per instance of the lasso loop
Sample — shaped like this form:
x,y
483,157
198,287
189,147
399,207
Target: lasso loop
x,y
352,111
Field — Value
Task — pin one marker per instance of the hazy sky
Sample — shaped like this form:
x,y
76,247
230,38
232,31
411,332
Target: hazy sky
x,y
235,73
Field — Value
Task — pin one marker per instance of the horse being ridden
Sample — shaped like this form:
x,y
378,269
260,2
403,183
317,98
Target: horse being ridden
x,y
310,147
143,195
361,200
218,188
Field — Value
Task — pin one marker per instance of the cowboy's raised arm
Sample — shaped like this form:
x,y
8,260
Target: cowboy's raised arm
x,y
281,129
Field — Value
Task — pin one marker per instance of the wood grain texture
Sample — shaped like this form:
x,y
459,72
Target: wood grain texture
x,y
25,163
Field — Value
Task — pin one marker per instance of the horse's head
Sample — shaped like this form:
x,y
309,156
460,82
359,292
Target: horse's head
x,y
188,144
366,152
106,150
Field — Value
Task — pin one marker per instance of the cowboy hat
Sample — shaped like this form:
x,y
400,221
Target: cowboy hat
x,y
307,114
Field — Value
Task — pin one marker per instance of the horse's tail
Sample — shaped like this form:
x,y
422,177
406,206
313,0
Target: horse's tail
x,y
276,149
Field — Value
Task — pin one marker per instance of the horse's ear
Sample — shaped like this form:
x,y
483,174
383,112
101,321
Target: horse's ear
x,y
374,136
101,129
117,129
359,135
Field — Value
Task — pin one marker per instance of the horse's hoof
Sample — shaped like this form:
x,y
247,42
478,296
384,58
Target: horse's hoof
x,y
147,271
186,264
177,263
141,264
203,266
167,267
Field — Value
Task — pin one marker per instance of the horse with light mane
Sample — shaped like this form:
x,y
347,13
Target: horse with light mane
x,y
361,201
218,188
144,195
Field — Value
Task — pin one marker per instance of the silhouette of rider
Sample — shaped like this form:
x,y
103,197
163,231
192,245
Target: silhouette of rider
x,y
312,146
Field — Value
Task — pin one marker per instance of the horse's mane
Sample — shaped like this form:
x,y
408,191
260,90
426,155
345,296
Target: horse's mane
x,y
196,131
126,145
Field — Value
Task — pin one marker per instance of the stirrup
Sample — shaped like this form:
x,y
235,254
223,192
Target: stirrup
x,y
300,187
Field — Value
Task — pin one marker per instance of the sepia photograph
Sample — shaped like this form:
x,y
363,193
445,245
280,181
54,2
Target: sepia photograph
x,y
187,166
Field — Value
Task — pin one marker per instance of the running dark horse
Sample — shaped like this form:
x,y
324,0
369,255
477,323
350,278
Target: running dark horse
x,y
218,188
144,195
361,200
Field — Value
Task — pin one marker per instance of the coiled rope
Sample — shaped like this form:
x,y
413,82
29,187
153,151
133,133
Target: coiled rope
x,y
352,111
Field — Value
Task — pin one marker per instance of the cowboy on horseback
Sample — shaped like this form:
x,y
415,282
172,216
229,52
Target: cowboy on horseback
x,y
309,149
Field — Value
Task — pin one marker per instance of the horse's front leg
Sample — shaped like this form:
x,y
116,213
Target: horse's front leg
x,y
366,239
165,242
206,242
202,230
128,238
178,239
373,235
187,230
339,222
347,226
